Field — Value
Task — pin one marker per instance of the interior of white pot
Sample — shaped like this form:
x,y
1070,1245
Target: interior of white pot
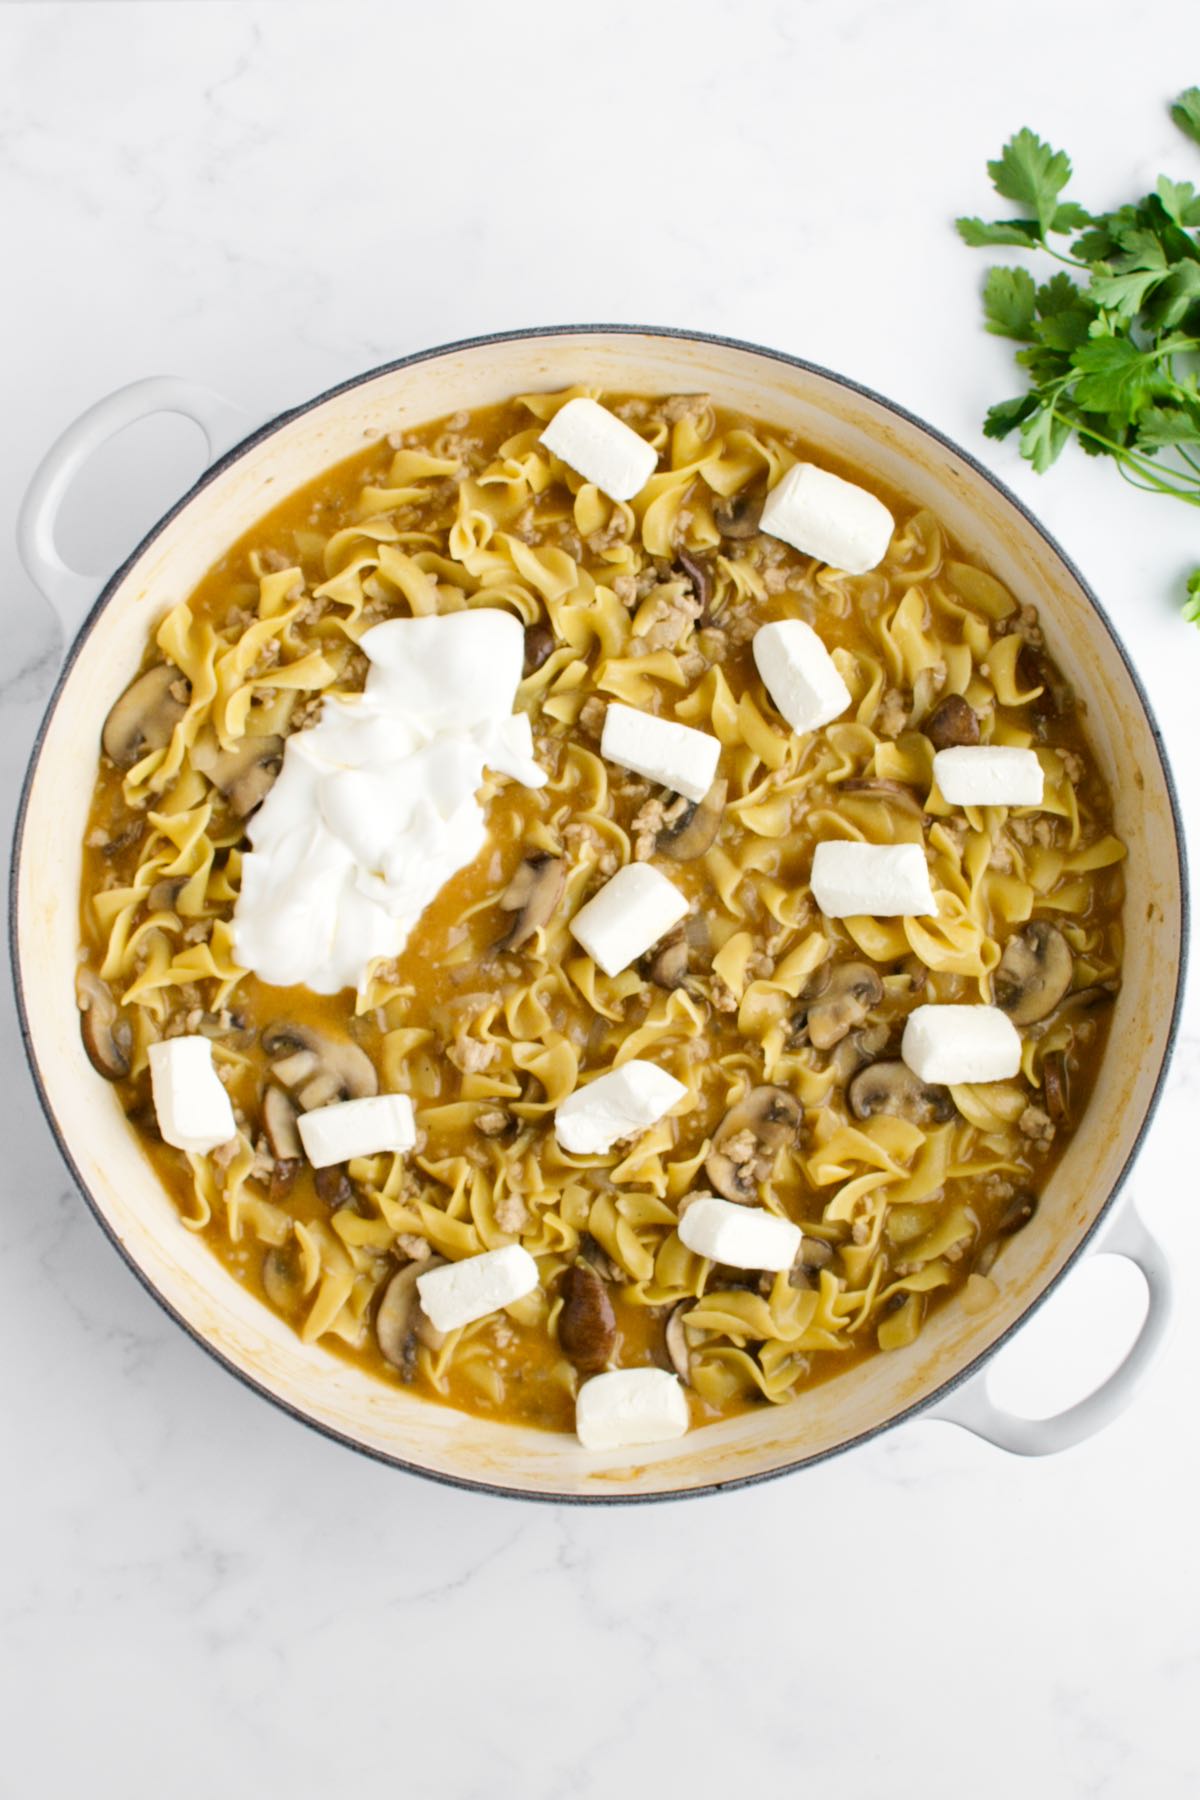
x,y
121,1181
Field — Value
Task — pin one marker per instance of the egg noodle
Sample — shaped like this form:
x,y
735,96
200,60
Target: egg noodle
x,y
896,1212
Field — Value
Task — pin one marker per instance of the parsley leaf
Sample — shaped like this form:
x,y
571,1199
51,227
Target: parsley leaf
x,y
1031,173
1109,342
1186,113
1009,301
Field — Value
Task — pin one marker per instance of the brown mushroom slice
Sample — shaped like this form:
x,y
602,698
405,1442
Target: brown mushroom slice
x,y
401,1321
281,1278
678,1349
163,894
334,1186
1056,1086
1034,972
533,894
1035,670
330,1068
587,1325
667,965
894,793
952,722
106,1032
245,774
852,989
747,1140
700,576
145,716
539,648
1017,1213
279,1124
696,828
738,516
891,1087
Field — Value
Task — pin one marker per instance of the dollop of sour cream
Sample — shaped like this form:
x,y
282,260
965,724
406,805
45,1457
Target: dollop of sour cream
x,y
376,807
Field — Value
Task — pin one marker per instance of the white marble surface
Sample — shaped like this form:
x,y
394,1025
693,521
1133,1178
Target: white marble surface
x,y
197,1595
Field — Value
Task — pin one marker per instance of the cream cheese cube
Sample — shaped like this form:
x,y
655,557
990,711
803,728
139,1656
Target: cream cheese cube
x,y
949,1044
673,755
349,1128
884,881
192,1108
601,448
624,1407
988,775
799,674
629,914
831,519
743,1237
458,1293
618,1105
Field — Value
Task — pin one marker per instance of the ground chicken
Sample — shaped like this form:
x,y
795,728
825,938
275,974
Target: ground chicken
x,y
511,1212
892,716
1036,1125
591,715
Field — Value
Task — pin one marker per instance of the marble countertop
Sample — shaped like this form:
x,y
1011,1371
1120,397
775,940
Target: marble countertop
x,y
198,1596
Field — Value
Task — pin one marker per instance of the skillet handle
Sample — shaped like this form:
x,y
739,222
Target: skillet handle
x,y
70,592
972,1407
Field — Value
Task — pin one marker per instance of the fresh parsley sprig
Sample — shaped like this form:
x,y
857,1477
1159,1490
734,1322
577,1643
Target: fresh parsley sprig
x,y
1111,340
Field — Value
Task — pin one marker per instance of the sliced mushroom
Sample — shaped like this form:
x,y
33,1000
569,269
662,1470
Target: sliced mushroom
x,y
539,648
333,1186
283,1180
533,894
739,515
161,897
852,989
145,715
107,1033
678,1348
895,793
695,830
245,774
1017,1213
321,1069
700,576
1035,670
891,1087
587,1325
952,722
747,1140
401,1322
279,1124
667,966
281,1277
125,839
814,1254
1055,1085
1034,973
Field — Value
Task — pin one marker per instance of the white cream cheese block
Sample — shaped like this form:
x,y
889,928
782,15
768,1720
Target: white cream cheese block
x,y
673,755
349,1128
618,1105
624,1407
949,1044
881,880
743,1237
834,520
989,775
192,1108
600,447
799,674
628,915
458,1293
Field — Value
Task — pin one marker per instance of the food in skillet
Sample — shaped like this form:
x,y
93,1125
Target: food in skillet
x,y
599,917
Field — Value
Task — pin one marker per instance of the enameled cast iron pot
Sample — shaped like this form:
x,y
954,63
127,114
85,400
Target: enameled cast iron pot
x,y
942,1374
